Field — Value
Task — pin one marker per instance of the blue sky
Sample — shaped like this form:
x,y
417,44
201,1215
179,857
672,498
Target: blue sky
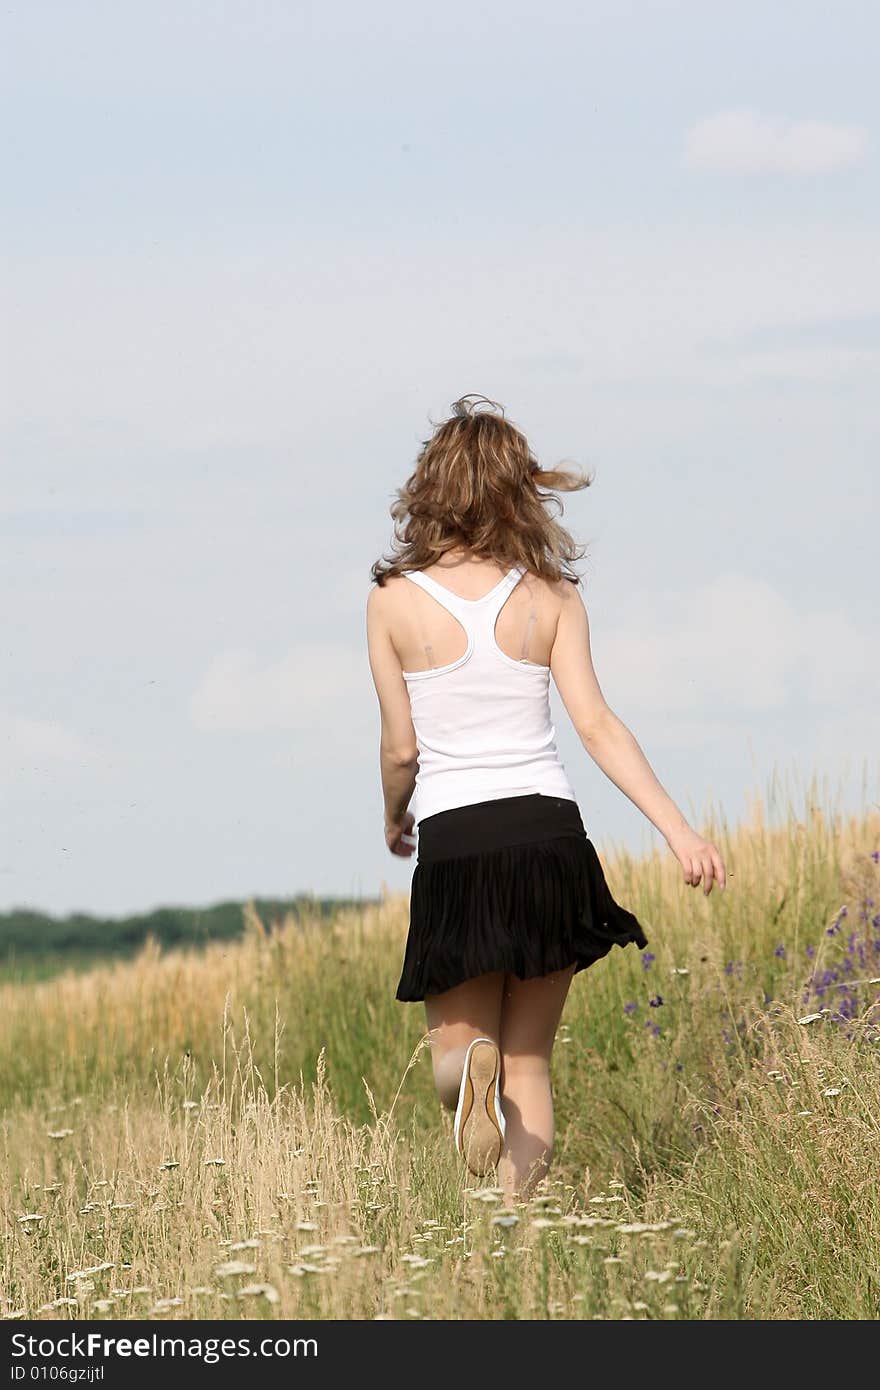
x,y
252,250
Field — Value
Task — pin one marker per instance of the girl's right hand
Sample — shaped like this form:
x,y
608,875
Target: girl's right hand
x,y
698,858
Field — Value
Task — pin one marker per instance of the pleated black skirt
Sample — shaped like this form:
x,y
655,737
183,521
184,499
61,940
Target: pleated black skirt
x,y
511,884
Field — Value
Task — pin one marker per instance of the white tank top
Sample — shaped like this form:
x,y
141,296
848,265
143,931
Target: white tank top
x,y
482,723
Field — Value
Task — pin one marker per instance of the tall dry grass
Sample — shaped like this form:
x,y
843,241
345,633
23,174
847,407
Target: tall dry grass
x,y
251,1131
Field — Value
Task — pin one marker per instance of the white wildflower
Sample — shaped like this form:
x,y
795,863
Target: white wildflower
x,y
231,1267
87,1273
267,1291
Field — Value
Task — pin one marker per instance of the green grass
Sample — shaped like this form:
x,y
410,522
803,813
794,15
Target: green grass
x,y
724,1167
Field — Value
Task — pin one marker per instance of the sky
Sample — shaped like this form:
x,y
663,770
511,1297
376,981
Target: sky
x,y
252,252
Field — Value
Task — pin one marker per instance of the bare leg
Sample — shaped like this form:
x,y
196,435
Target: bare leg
x,y
530,1015
455,1017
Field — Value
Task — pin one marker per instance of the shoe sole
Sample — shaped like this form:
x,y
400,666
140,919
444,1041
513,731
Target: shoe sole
x,y
478,1135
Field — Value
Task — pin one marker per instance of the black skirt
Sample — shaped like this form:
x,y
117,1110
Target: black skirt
x,y
511,884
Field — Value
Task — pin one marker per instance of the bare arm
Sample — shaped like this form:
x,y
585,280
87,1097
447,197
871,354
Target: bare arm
x,y
613,747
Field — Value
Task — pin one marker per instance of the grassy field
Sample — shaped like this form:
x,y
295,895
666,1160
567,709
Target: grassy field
x,y
251,1131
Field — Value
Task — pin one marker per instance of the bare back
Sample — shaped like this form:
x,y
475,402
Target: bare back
x,y
426,636
541,623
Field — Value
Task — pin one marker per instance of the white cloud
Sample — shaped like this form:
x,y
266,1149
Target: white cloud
x,y
26,742
316,688
732,646
744,141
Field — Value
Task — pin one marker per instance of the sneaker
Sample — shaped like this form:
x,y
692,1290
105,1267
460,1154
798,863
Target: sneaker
x,y
479,1122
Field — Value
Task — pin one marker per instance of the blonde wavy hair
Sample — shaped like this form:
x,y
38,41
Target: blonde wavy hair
x,y
477,485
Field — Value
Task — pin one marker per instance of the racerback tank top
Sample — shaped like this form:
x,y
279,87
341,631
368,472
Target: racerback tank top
x,y
482,723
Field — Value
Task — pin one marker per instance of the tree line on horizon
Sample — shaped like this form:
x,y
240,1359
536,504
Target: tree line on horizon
x,y
27,932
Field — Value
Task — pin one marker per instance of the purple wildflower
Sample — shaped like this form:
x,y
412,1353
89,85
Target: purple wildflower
x,y
780,952
631,1007
846,1009
656,1001
647,958
653,1029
